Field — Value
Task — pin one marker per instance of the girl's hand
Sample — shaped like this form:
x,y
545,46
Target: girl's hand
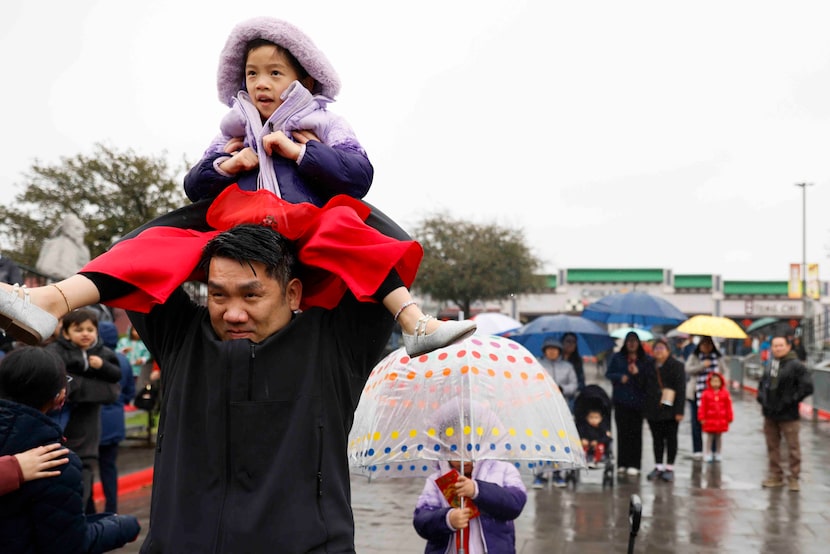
x,y
460,518
95,362
36,463
465,487
303,137
244,160
234,145
278,143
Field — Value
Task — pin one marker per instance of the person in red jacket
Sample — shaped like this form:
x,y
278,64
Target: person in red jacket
x,y
714,414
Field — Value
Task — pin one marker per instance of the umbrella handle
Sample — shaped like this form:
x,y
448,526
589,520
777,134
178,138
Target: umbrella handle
x,y
461,549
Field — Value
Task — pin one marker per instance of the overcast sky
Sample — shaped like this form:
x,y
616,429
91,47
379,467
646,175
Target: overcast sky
x,y
615,134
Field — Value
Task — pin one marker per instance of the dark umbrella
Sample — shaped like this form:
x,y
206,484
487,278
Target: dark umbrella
x,y
591,339
634,308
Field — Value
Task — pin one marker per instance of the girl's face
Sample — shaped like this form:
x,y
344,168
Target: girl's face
x,y
715,382
83,334
268,72
468,467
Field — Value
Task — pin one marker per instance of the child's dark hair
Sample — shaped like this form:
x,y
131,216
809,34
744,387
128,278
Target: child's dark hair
x,y
77,317
32,376
594,411
295,65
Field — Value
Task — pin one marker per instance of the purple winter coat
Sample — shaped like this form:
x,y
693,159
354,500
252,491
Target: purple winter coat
x,y
336,165
501,498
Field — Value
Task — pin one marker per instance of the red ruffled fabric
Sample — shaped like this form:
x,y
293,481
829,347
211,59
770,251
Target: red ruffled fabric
x,y
334,244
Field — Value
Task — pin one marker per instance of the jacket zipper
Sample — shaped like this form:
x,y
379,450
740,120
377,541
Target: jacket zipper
x,y
217,547
320,466
251,372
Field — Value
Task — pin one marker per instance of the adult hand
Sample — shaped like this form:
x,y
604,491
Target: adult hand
x,y
678,417
460,518
244,160
465,487
278,143
37,462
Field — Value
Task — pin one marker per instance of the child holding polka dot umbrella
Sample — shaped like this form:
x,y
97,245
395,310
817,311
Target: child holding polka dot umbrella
x,y
486,398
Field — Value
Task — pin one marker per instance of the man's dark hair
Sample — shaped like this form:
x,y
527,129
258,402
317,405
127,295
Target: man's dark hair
x,y
781,336
254,243
32,376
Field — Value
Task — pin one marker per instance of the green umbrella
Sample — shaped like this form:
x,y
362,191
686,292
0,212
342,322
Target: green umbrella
x,y
763,322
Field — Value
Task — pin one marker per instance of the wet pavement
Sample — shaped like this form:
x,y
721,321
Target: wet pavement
x,y
710,508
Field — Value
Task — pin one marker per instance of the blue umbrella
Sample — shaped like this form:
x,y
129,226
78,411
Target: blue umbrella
x,y
591,339
634,308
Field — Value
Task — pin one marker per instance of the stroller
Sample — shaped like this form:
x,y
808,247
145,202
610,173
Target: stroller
x,y
594,398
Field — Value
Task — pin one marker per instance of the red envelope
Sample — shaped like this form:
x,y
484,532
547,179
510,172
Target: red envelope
x,y
445,483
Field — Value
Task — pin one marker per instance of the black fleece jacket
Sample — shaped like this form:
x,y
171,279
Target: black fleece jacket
x,y
252,441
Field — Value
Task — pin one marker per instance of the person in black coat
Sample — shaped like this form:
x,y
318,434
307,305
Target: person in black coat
x,y
113,428
785,383
628,371
664,406
46,515
96,376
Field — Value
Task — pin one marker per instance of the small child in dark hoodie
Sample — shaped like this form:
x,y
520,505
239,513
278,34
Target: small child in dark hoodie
x,y
46,515
715,414
595,437
95,372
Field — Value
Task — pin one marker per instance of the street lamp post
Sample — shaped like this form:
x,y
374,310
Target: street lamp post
x,y
804,299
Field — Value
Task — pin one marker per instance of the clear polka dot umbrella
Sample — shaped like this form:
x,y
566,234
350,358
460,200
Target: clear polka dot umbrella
x,y
482,399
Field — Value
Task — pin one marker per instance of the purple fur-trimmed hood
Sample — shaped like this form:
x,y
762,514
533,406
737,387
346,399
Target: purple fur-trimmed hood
x,y
230,76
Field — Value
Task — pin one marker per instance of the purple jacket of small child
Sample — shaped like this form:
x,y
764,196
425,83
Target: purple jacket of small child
x,y
501,498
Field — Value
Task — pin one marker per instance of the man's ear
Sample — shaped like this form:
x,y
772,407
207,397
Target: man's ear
x,y
294,293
